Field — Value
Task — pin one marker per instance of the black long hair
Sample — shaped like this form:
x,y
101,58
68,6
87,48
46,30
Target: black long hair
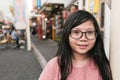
x,y
97,52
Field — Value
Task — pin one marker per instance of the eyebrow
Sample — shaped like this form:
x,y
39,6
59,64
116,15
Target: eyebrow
x,y
86,29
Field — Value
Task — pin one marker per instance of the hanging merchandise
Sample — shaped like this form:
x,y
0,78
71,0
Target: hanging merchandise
x,y
19,11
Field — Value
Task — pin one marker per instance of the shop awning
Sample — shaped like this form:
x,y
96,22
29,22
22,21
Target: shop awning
x,y
65,2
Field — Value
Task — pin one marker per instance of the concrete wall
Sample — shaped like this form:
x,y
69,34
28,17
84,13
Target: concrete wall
x,y
107,30
115,39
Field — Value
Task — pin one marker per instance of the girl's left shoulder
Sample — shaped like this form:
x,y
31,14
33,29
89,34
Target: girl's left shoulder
x,y
53,62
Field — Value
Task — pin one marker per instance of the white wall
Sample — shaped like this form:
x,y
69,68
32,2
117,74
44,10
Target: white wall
x,y
4,6
107,30
115,39
80,5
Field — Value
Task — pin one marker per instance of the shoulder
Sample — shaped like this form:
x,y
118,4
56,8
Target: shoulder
x,y
53,62
53,59
50,70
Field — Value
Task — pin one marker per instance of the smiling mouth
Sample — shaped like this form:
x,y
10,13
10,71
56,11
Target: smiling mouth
x,y
83,46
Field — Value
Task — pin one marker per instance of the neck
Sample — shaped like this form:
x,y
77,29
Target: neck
x,y
80,60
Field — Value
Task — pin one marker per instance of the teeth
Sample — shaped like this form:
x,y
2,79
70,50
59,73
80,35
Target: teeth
x,y
83,45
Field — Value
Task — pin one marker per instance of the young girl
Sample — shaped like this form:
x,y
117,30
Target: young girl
x,y
81,54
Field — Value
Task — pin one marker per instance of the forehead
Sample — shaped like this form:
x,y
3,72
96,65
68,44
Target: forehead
x,y
86,25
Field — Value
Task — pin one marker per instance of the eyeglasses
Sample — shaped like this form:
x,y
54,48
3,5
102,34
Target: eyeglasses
x,y
77,34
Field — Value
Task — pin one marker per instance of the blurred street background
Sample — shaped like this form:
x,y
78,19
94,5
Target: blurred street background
x,y
30,32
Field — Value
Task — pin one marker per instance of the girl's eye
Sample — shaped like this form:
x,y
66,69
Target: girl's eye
x,y
75,31
90,32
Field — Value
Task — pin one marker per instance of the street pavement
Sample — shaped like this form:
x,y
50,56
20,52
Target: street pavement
x,y
18,64
44,49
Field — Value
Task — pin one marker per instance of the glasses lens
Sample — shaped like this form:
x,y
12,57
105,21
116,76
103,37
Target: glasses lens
x,y
76,34
91,34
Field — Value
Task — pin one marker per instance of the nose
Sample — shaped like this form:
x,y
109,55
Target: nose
x,y
83,36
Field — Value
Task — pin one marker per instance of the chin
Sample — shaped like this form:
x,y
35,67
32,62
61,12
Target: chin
x,y
82,52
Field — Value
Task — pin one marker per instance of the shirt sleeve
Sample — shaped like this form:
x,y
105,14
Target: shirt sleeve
x,y
49,70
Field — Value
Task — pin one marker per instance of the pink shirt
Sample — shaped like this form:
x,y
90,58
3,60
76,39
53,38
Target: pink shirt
x,y
51,72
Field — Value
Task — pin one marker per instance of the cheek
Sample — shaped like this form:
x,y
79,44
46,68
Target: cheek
x,y
71,42
92,43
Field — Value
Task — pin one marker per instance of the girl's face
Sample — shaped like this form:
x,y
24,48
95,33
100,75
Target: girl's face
x,y
82,38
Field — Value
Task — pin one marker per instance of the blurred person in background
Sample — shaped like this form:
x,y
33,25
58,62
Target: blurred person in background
x,y
65,14
34,25
73,8
13,35
81,54
49,29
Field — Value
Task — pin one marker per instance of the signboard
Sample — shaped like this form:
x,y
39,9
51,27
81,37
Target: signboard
x,y
38,4
93,6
